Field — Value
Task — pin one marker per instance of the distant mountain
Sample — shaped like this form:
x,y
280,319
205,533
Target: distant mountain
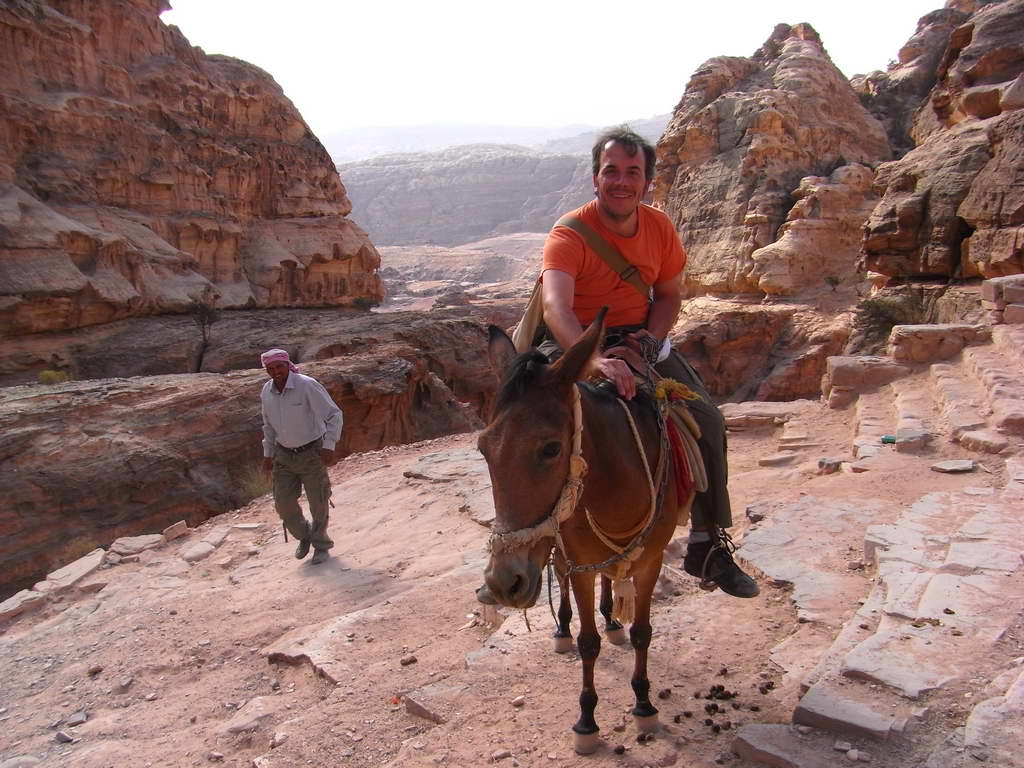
x,y
463,193
650,128
364,143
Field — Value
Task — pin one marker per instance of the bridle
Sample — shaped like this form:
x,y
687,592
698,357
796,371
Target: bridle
x,y
564,507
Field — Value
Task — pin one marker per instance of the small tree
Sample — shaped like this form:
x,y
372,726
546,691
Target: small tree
x,y
204,314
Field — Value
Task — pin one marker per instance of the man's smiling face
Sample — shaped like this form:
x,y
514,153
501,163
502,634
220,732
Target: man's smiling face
x,y
620,182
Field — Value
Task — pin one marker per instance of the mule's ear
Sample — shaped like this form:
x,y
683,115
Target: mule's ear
x,y
569,369
500,350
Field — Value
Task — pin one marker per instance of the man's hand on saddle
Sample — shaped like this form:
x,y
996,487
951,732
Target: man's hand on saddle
x,y
646,344
616,371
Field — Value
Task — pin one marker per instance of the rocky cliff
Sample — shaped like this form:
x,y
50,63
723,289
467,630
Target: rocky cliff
x,y
464,193
88,461
138,174
732,160
952,206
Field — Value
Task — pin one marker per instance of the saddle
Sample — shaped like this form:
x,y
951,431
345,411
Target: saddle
x,y
682,430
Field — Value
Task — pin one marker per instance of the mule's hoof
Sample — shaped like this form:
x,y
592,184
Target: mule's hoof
x,y
586,743
647,723
616,636
563,644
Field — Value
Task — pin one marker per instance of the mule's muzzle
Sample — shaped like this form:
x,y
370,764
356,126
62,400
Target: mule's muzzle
x,y
513,584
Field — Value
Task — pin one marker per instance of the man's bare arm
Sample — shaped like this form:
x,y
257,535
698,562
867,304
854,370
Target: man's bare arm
x,y
668,298
559,288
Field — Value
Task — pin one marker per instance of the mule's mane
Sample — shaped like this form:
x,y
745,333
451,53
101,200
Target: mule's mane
x,y
525,371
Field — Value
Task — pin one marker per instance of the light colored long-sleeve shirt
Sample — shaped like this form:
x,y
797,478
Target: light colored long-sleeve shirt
x,y
300,414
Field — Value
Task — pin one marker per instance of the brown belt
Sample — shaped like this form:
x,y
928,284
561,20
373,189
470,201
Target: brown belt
x,y
301,448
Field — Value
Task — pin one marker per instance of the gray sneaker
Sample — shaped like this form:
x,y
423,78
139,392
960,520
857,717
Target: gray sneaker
x,y
319,556
302,550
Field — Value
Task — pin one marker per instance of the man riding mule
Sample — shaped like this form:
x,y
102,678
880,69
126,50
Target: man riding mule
x,y
617,252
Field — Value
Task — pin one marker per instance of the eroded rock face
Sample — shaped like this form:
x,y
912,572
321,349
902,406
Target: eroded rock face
x,y
820,240
952,206
138,173
894,95
763,352
465,193
87,462
745,134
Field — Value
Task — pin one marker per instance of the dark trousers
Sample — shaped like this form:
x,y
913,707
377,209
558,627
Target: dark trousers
x,y
292,473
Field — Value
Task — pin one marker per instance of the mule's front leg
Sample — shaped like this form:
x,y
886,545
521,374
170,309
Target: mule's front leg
x,y
563,633
613,631
645,713
586,740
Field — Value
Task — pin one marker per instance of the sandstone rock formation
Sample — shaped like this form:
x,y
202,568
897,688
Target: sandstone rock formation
x,y
138,173
894,95
745,133
464,193
88,461
952,206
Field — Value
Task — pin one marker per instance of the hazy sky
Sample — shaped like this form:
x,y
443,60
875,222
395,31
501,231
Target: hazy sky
x,y
356,63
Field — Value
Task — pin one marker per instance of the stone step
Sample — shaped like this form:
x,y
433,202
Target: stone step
x,y
961,401
1009,340
914,416
874,418
948,590
1003,384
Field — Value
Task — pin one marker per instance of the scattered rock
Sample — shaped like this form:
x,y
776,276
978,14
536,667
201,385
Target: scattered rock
x,y
954,466
500,754
405,661
215,757
828,466
95,669
151,697
21,761
278,739
777,459
198,551
518,701
413,707
63,737
842,746
124,684
77,718
175,531
132,545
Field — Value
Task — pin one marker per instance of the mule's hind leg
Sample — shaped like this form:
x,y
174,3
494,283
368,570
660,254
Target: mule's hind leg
x,y
645,713
586,740
613,631
563,633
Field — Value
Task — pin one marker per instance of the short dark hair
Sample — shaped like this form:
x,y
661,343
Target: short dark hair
x,y
632,141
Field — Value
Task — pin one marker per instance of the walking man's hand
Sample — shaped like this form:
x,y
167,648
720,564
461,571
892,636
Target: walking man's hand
x,y
328,458
268,465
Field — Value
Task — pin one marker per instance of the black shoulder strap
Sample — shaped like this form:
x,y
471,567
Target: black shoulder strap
x,y
607,252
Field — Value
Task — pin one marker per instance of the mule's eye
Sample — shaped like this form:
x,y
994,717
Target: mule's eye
x,y
550,450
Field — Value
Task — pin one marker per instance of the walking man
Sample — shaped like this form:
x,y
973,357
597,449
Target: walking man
x,y
301,426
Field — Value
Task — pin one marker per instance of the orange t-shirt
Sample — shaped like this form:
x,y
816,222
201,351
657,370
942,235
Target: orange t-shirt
x,y
654,250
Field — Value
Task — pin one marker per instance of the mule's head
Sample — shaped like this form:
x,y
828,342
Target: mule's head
x,y
527,446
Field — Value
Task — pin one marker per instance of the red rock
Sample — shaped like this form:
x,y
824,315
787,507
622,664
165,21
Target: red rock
x,y
138,174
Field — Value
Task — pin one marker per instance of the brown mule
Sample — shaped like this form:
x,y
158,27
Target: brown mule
x,y
528,446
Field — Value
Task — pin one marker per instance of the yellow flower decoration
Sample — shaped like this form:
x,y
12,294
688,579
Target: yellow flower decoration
x,y
670,389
